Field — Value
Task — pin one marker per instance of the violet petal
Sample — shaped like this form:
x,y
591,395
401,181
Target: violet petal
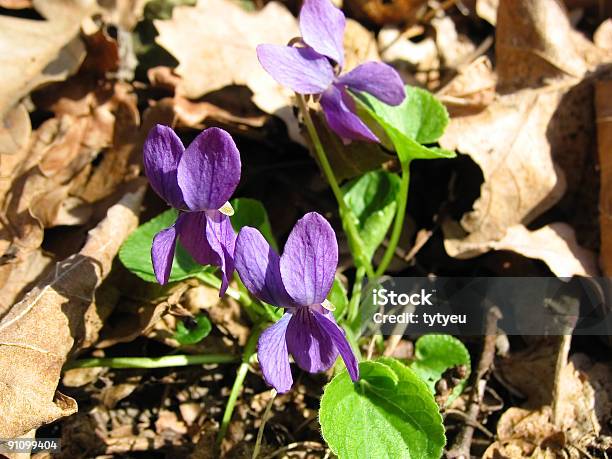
x,y
191,228
209,170
339,110
222,239
162,152
259,268
309,343
301,69
376,78
309,260
322,26
273,356
162,253
327,322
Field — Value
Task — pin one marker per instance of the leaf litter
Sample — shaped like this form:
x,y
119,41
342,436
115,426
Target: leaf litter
x,y
73,122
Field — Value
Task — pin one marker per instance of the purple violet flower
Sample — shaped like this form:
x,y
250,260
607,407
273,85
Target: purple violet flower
x,y
308,70
198,181
298,281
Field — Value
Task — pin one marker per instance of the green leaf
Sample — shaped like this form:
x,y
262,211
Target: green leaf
x,y
194,334
135,253
372,198
388,413
251,212
420,119
348,160
337,296
434,354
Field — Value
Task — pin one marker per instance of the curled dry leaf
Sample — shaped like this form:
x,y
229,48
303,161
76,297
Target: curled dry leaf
x,y
38,334
585,405
49,50
53,183
554,244
519,139
508,141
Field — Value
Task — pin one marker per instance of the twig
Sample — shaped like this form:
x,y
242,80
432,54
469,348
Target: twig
x,y
463,441
564,348
290,446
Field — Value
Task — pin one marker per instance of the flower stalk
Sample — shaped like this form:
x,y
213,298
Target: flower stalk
x,y
398,223
249,351
348,218
152,362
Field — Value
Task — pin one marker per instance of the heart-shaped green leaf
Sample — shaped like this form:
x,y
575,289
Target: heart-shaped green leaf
x,y
388,413
198,329
251,212
419,119
434,355
135,253
372,198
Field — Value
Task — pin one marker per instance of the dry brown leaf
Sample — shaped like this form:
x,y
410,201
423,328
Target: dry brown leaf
x,y
38,334
554,244
472,90
382,12
603,35
528,431
519,139
215,43
15,131
16,4
139,322
57,184
14,278
508,141
603,108
453,47
36,52
487,10
534,41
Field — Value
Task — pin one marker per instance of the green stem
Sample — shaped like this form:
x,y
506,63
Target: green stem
x,y
264,419
353,309
346,214
249,350
151,362
398,224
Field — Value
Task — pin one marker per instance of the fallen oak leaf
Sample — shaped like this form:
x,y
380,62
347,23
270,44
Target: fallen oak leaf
x,y
554,244
215,43
33,52
508,141
532,145
39,333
